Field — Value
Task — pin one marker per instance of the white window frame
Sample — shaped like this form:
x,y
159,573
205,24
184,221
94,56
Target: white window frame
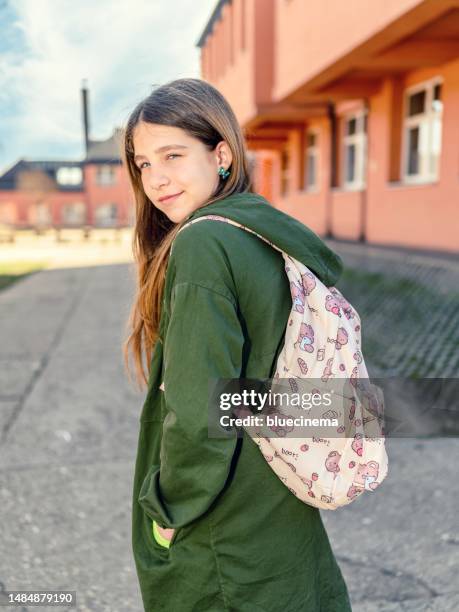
x,y
425,119
104,221
359,140
312,151
106,175
68,213
42,214
69,175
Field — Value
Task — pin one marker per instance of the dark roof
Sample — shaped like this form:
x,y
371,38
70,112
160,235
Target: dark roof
x,y
210,24
100,151
8,180
106,151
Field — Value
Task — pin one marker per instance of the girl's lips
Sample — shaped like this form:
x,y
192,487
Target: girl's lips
x,y
170,198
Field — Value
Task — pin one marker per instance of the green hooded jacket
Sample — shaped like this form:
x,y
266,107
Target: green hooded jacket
x,y
243,541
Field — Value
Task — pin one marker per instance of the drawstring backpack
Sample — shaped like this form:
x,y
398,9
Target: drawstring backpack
x,y
323,343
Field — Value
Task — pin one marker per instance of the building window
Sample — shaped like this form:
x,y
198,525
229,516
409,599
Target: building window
x,y
311,161
106,215
39,214
422,132
74,213
285,172
355,150
8,213
106,175
69,175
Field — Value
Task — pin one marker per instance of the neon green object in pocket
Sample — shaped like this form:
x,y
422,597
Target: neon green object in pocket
x,y
161,540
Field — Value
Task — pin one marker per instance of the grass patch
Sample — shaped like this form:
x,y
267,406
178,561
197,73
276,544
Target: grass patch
x,y
11,272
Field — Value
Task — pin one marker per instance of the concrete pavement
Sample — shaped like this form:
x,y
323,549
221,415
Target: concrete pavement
x,y
69,422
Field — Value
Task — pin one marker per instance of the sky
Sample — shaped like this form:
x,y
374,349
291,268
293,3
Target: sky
x,y
123,49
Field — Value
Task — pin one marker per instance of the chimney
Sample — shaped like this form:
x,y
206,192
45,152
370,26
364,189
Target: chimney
x,y
84,95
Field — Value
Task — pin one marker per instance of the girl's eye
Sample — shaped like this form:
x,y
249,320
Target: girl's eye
x,y
142,165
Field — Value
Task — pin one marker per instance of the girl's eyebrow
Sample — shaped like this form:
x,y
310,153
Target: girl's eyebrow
x,y
164,148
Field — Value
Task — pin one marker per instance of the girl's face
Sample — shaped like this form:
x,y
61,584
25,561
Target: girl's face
x,y
173,163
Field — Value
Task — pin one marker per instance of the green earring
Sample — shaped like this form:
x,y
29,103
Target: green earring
x,y
223,173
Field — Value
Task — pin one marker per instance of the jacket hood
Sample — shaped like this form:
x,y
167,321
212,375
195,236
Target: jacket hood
x,y
283,230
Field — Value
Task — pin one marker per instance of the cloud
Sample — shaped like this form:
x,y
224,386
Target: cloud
x,y
122,48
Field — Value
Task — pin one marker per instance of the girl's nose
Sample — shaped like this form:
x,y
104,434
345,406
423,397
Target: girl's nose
x,y
157,180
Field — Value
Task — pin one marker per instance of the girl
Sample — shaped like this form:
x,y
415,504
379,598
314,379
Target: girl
x,y
213,528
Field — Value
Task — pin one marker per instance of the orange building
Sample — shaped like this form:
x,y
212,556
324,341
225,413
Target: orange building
x,y
352,109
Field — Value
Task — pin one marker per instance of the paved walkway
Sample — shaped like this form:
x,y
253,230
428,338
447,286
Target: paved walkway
x,y
69,425
69,432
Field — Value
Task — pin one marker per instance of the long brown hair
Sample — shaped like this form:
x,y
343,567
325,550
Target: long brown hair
x,y
201,110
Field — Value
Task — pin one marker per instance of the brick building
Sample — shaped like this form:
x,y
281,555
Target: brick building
x,y
94,191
